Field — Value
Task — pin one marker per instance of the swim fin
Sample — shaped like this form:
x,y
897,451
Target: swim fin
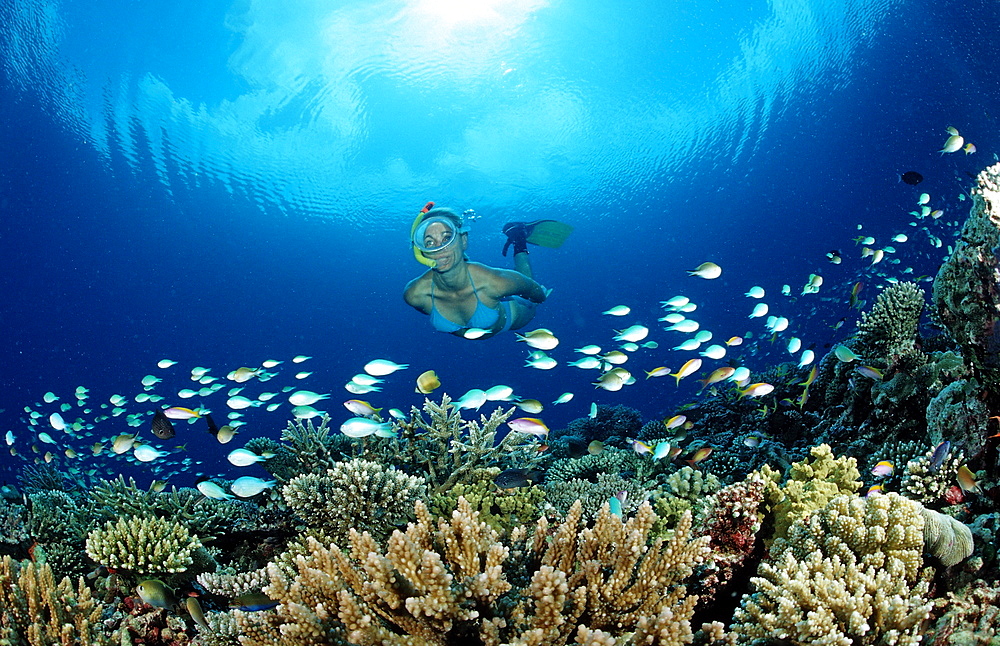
x,y
548,233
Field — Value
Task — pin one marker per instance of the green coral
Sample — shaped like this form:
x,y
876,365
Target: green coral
x,y
810,486
357,493
146,546
588,467
55,516
205,517
447,449
501,510
562,495
888,332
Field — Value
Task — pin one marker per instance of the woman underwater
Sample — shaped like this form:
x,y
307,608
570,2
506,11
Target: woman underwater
x,y
469,299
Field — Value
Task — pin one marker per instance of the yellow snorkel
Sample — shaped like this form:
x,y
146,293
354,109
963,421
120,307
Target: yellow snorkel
x,y
417,253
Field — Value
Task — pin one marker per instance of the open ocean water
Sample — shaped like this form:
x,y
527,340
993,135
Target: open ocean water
x,y
220,184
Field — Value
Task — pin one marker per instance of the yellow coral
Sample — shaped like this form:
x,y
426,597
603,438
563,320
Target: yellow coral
x,y
849,574
37,611
143,545
436,585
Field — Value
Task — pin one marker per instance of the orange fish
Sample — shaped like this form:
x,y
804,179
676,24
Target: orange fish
x,y
700,455
967,480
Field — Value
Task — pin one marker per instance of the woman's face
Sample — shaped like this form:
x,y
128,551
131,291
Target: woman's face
x,y
438,236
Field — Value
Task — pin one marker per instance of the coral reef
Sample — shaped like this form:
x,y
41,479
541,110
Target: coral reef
x,y
501,510
145,546
448,449
356,493
965,290
203,516
448,584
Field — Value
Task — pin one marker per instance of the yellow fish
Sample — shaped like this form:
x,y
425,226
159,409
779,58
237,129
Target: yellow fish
x,y
692,366
427,382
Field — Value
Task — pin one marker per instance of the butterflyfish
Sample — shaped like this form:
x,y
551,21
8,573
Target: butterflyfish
x,y
427,382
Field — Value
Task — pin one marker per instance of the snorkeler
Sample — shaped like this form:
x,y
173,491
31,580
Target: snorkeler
x,y
469,299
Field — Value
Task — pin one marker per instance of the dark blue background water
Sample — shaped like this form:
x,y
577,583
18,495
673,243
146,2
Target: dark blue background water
x,y
107,268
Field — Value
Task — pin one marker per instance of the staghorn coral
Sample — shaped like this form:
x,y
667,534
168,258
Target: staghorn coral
x,y
203,516
357,493
888,332
447,585
965,294
448,449
146,546
588,467
54,516
233,584
37,611
849,574
312,449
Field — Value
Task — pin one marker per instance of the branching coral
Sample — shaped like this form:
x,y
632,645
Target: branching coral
x,y
357,493
146,546
37,611
448,449
203,516
311,447
849,574
809,487
501,510
888,332
447,585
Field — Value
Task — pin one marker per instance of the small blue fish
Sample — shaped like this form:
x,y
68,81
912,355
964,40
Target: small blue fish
x,y
940,455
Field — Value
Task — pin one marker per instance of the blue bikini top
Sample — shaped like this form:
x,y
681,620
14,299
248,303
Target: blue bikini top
x,y
484,317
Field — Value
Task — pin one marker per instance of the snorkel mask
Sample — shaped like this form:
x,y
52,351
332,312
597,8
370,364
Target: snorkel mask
x,y
432,233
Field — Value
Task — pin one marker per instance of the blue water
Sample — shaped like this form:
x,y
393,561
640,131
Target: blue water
x,y
221,184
